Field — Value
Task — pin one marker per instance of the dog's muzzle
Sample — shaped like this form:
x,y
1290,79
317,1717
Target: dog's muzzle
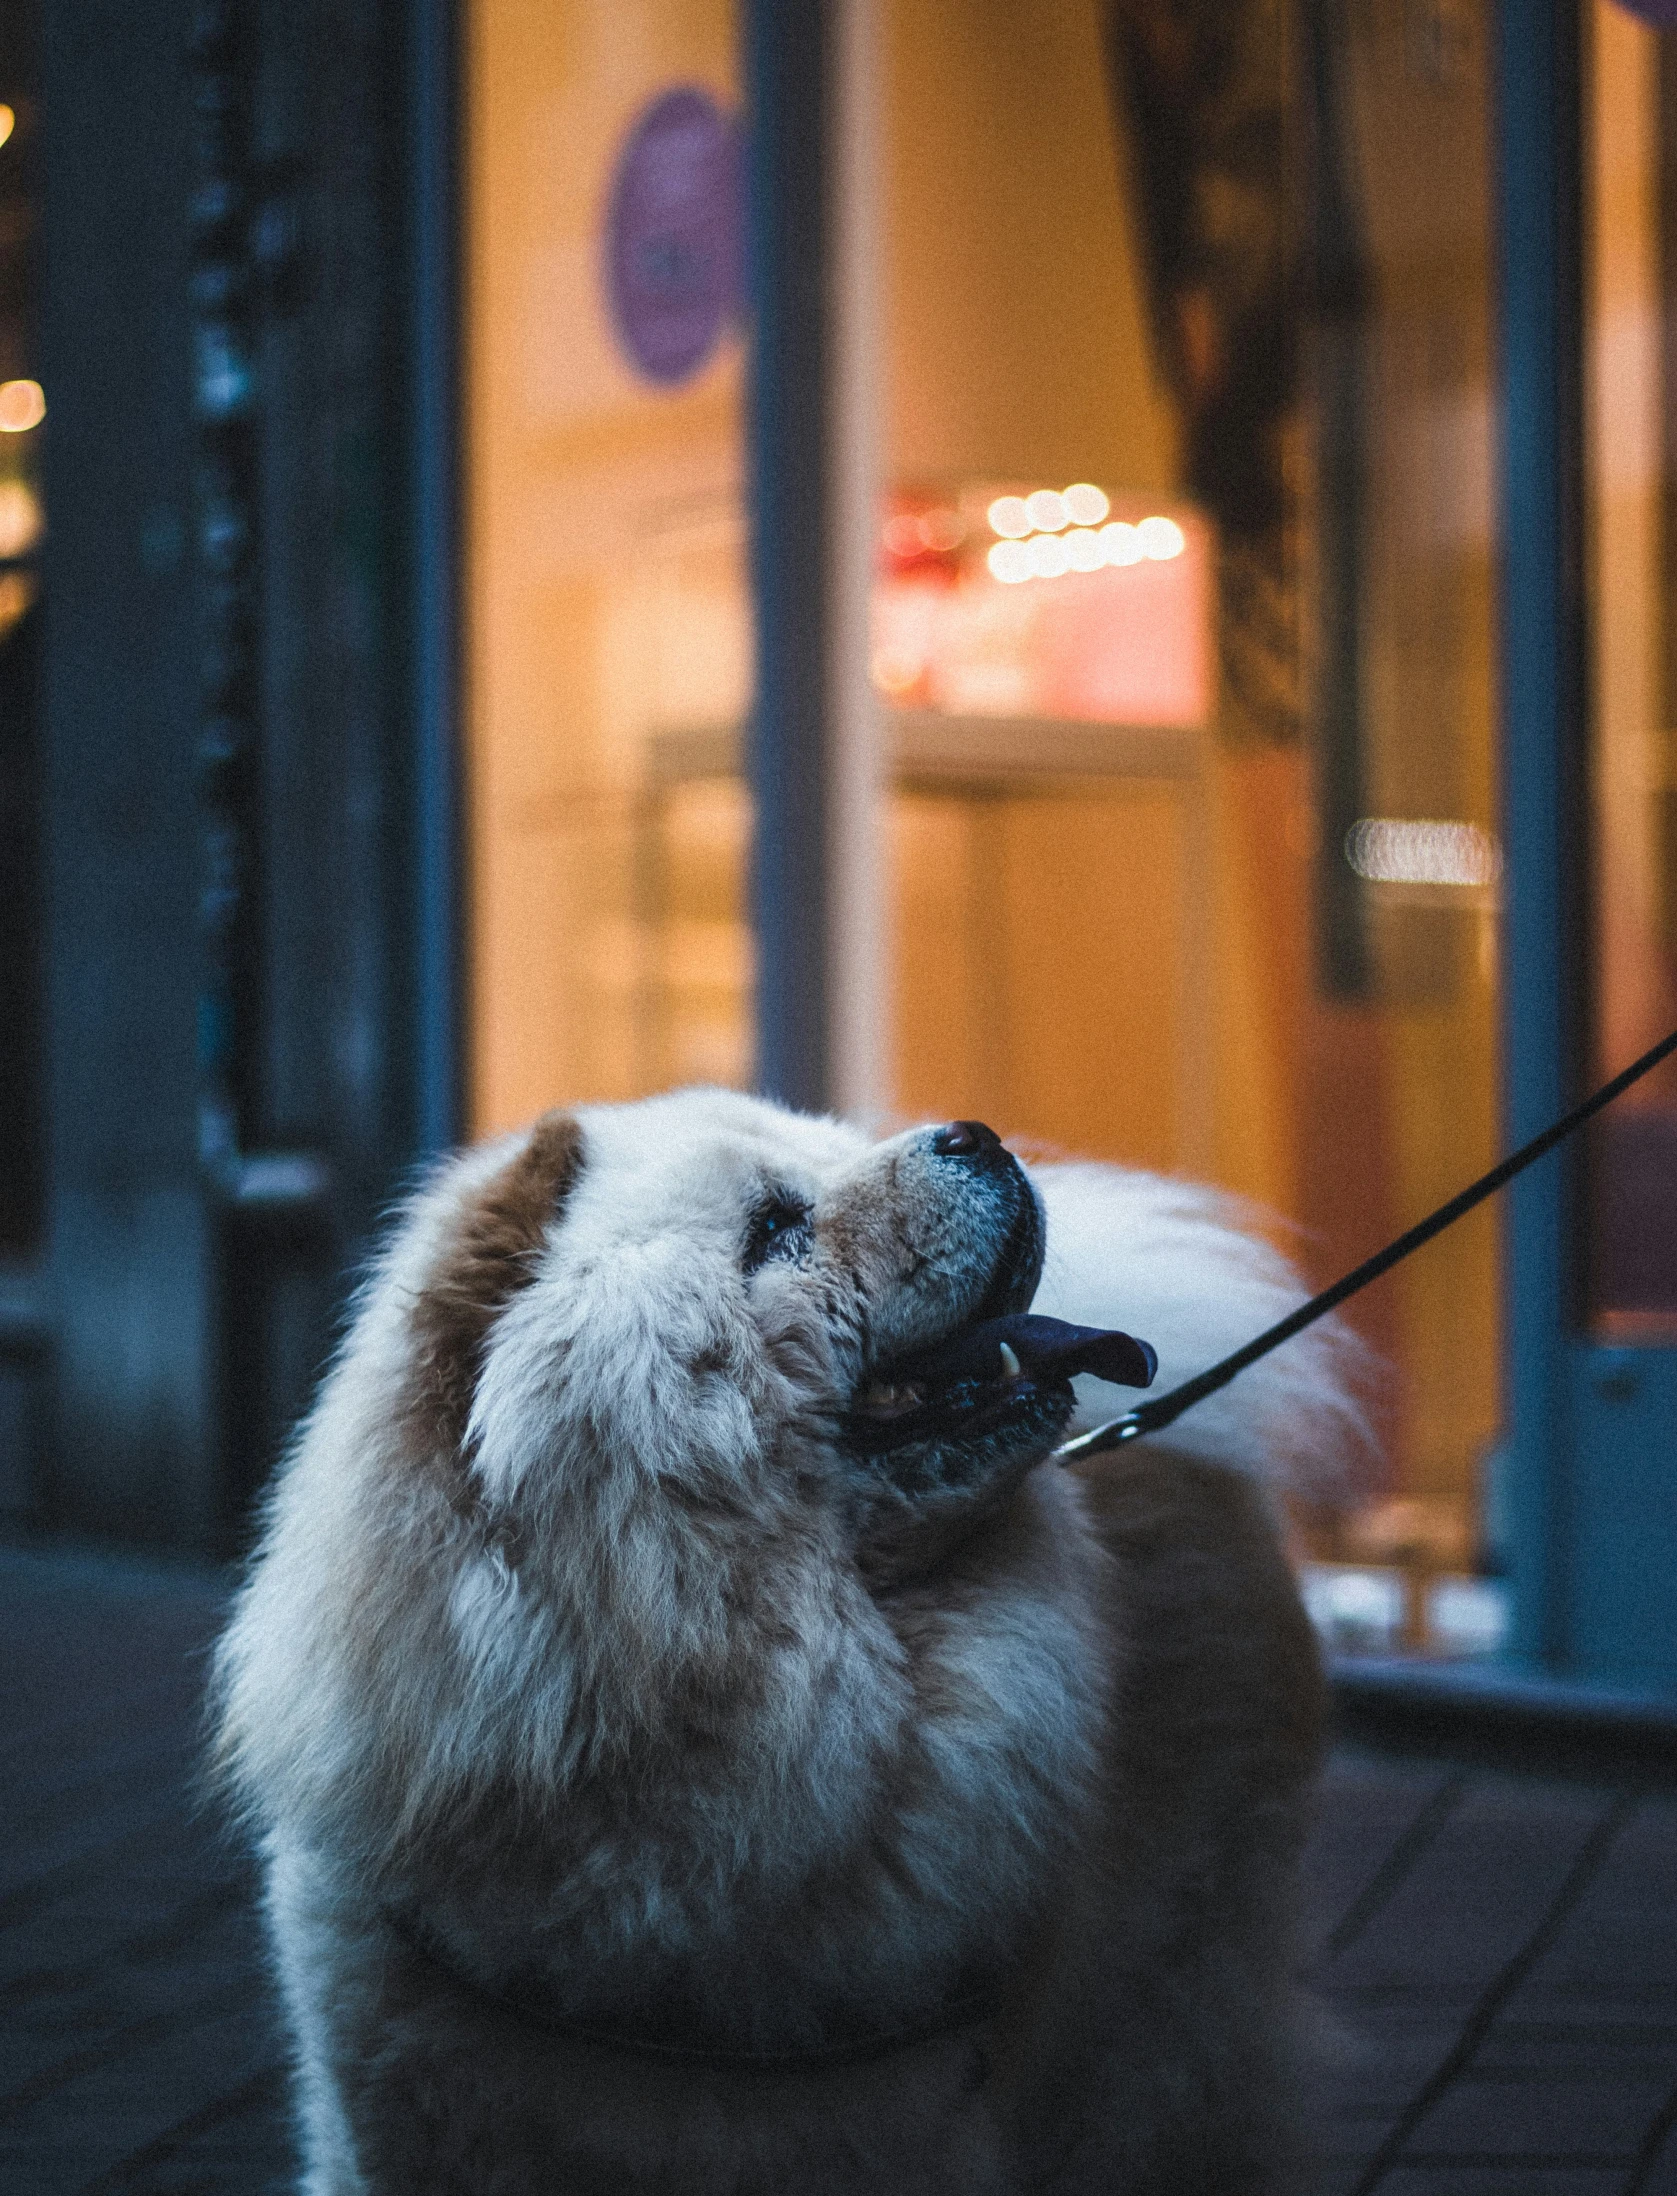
x,y
1002,1364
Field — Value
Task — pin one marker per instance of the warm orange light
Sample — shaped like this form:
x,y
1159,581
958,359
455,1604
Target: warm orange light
x,y
896,674
20,518
1422,851
1086,505
1048,557
1009,517
1160,537
1079,623
1051,554
22,406
17,592
8,123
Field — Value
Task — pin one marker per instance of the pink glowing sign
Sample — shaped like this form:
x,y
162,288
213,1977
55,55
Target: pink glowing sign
x,y
1128,639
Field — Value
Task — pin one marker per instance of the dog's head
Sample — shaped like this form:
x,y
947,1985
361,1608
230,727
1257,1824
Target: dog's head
x,y
736,1304
658,1562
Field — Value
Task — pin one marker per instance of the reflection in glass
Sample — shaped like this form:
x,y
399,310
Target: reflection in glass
x,y
1631,384
22,524
1248,927
609,626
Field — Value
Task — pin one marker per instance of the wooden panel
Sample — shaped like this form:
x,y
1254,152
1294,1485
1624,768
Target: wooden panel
x,y
947,1000
1040,965
1093,972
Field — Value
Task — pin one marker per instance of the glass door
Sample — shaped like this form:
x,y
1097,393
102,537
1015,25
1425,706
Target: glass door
x,y
1618,1612
608,614
1182,649
1631,544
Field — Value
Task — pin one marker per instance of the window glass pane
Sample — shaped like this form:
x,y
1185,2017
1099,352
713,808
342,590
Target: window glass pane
x,y
609,634
1193,822
22,529
1182,632
1631,262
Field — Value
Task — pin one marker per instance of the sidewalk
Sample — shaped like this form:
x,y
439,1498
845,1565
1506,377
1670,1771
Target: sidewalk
x,y
1495,1954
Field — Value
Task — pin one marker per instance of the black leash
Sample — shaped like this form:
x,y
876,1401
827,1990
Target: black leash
x,y
1162,1410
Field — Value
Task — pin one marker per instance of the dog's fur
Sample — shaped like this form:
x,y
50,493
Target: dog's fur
x,y
655,1797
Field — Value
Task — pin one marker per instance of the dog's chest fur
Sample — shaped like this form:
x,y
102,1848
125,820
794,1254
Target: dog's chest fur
x,y
867,1829
1138,2041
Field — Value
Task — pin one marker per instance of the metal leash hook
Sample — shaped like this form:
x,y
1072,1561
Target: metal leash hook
x,y
1162,1410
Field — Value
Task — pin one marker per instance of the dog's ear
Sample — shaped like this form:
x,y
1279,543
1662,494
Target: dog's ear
x,y
488,1255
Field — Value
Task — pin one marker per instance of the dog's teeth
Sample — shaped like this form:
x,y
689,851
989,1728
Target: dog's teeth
x,y
892,1395
1010,1363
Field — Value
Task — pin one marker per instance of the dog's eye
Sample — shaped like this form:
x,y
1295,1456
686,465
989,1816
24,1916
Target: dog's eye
x,y
779,1229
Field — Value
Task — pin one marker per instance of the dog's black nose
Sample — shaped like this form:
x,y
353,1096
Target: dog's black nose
x,y
973,1141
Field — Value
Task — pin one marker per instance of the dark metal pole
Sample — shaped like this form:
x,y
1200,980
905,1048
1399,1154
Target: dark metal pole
x,y
789,95
1538,124
433,198
1340,286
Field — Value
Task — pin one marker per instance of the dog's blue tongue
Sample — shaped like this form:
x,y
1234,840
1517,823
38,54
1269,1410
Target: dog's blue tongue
x,y
1048,1349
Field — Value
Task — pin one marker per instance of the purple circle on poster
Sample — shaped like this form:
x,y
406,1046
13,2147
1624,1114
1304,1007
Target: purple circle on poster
x,y
674,237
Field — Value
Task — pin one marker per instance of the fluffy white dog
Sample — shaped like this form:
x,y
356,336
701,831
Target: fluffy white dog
x,y
699,1743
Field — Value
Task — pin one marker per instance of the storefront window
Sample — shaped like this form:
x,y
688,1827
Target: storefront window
x,y
609,637
1631,447
1198,869
23,407
1182,639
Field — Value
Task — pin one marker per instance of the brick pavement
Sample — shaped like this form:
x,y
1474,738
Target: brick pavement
x,y
1494,1953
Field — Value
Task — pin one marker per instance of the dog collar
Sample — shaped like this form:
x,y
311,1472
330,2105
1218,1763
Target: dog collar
x,y
534,2006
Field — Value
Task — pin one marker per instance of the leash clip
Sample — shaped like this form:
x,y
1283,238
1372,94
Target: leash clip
x,y
1098,1439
